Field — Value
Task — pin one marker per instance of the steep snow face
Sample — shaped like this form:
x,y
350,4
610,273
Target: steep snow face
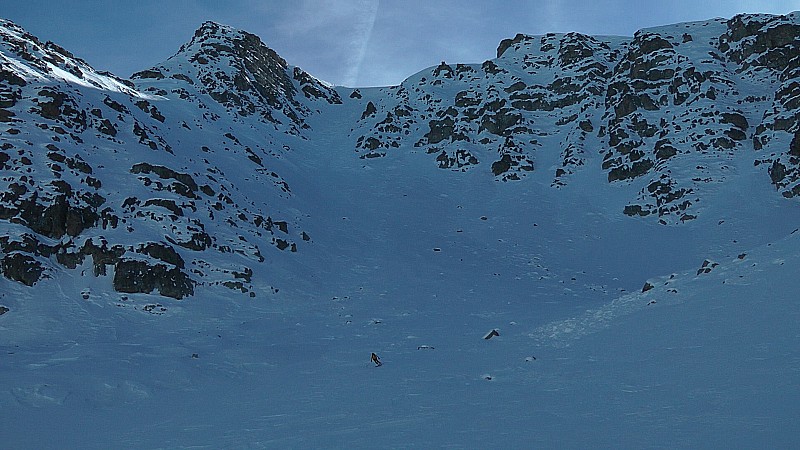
x,y
234,227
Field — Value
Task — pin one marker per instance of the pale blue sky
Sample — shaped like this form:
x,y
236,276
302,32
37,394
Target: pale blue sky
x,y
348,42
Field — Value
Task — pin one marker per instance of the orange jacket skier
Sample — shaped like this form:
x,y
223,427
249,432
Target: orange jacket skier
x,y
374,358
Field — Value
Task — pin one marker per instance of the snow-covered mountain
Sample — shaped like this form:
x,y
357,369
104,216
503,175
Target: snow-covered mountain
x,y
224,232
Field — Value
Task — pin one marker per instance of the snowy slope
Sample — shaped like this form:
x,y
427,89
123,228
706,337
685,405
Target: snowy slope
x,y
206,256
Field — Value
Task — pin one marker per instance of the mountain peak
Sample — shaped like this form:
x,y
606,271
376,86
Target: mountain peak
x,y
210,30
226,39
240,72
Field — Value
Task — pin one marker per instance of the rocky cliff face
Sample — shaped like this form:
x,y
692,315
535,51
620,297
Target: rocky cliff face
x,y
173,181
707,91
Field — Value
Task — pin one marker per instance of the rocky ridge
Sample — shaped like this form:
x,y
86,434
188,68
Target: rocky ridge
x,y
142,180
711,90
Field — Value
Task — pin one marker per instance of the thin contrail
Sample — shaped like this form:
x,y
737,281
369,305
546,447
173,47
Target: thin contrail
x,y
363,32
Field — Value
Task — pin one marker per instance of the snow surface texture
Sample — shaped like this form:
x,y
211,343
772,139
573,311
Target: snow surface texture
x,y
206,256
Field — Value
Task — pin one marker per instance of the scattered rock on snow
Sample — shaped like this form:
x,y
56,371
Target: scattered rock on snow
x,y
706,267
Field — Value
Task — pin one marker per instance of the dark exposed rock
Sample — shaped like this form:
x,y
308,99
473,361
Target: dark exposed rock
x,y
627,172
182,77
664,150
464,99
736,135
501,122
491,68
369,111
134,276
794,146
58,106
706,267
311,88
440,130
777,172
649,43
106,127
102,255
6,76
635,210
6,115
166,173
151,73
162,252
501,166
198,241
443,70
58,218
736,119
21,267
145,106
253,157
771,44
505,44
457,160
